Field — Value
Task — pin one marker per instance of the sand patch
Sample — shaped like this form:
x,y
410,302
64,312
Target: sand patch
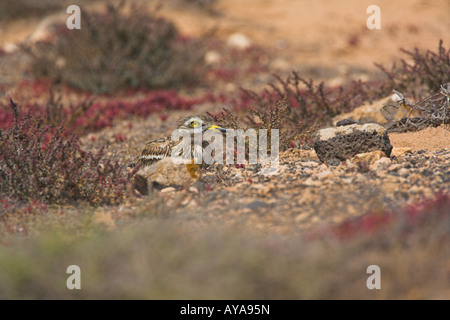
x,y
432,138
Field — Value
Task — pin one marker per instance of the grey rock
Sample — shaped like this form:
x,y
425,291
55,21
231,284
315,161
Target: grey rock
x,y
344,142
257,204
346,122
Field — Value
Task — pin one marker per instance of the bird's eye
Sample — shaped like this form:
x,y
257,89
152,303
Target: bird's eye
x,y
195,124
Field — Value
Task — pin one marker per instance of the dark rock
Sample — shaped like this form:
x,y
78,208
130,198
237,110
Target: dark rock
x,y
344,142
346,122
257,204
333,162
427,173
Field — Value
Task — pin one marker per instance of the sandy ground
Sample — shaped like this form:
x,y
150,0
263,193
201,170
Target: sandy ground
x,y
328,33
428,139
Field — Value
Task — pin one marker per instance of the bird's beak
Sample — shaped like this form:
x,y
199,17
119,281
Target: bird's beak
x,y
214,127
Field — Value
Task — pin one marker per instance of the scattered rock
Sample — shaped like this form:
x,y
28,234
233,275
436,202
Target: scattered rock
x,y
346,122
397,152
309,164
333,162
395,167
322,175
369,157
256,205
312,183
212,57
193,189
341,143
381,164
369,112
403,172
238,41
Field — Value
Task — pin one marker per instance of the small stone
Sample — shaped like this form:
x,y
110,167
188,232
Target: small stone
x,y
397,152
256,205
168,189
323,174
309,164
301,217
416,189
304,153
263,189
193,189
311,183
333,162
360,178
239,41
212,57
427,173
403,172
395,167
346,122
381,164
347,180
369,157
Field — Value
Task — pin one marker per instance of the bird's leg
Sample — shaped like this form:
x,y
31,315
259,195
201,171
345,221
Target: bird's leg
x,y
194,170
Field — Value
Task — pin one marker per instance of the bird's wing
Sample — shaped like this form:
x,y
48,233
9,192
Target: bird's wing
x,y
155,150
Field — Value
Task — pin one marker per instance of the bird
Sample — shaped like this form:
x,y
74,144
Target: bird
x,y
161,148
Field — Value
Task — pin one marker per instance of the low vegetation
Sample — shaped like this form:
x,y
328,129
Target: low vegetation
x,y
39,164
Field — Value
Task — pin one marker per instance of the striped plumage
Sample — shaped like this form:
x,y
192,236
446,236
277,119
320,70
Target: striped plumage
x,y
156,150
161,148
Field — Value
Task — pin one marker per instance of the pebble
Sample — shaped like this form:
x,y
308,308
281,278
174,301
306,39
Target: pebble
x,y
403,172
239,41
256,205
381,164
322,175
309,164
395,167
312,183
397,152
193,189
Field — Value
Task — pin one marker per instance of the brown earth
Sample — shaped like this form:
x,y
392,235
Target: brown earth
x,y
324,40
433,138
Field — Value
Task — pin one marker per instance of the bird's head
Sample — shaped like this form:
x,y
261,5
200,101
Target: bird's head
x,y
198,124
